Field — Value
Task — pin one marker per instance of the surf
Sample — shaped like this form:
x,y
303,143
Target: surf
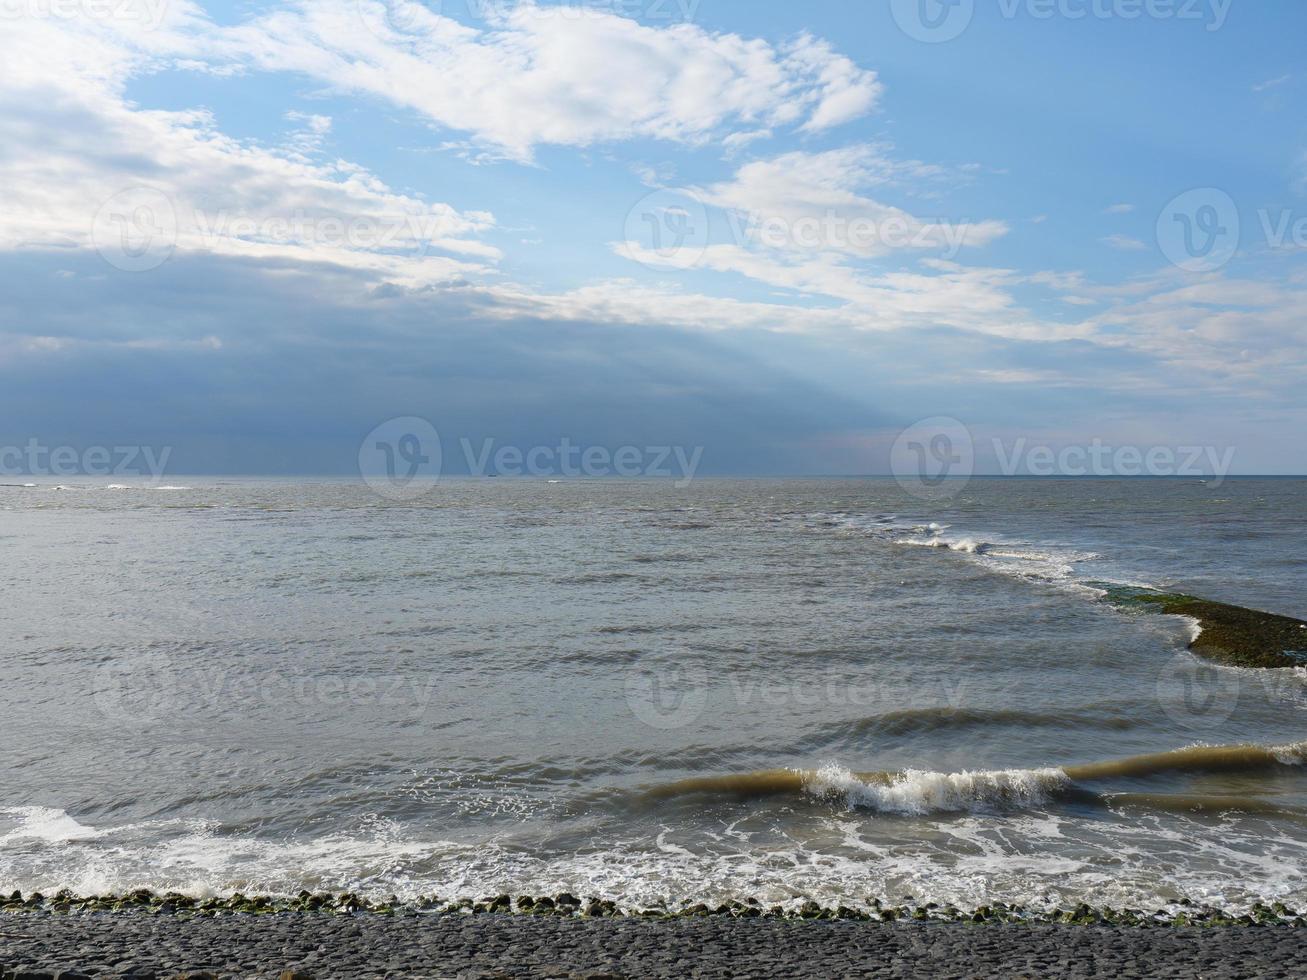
x,y
919,792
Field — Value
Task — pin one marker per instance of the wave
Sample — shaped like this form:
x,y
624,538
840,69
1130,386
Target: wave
x,y
1055,564
1232,635
912,721
43,824
969,545
1199,758
909,792
1204,803
918,792
1034,855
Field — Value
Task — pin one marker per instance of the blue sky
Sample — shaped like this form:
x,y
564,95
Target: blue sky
x,y
781,232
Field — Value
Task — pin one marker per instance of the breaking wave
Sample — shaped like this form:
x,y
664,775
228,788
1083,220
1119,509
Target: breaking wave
x,y
918,792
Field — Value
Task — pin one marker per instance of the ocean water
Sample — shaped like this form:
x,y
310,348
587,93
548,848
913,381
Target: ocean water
x,y
781,689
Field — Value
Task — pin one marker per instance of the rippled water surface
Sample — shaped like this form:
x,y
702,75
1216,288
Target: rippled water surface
x,y
781,689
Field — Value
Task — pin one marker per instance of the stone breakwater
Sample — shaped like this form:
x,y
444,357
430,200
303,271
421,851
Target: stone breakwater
x,y
1230,635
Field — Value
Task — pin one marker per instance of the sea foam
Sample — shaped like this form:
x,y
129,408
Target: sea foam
x,y
916,792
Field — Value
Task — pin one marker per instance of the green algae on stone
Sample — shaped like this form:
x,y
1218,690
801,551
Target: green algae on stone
x,y
1231,635
174,905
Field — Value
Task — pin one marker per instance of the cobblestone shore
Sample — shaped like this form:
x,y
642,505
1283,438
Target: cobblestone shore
x,y
299,946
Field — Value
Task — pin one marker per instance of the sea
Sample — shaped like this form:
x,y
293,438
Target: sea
x,y
655,693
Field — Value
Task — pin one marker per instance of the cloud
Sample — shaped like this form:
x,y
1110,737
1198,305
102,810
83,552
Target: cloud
x,y
1235,334
1119,209
545,75
1124,243
1271,83
802,202
855,263
804,222
108,175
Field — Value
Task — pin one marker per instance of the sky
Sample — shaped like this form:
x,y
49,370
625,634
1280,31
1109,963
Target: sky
x,y
777,234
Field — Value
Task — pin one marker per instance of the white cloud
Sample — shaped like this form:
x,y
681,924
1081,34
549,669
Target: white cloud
x,y
803,222
1271,83
812,203
1235,333
1119,209
69,141
181,183
540,76
1124,243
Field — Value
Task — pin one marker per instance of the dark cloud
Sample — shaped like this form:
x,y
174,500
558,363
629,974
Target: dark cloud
x,y
245,372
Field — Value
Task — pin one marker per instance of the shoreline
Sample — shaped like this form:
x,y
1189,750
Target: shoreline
x,y
1180,914
139,944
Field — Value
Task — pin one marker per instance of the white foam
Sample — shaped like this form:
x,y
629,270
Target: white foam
x,y
44,824
1035,859
1294,754
995,553
917,792
970,546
